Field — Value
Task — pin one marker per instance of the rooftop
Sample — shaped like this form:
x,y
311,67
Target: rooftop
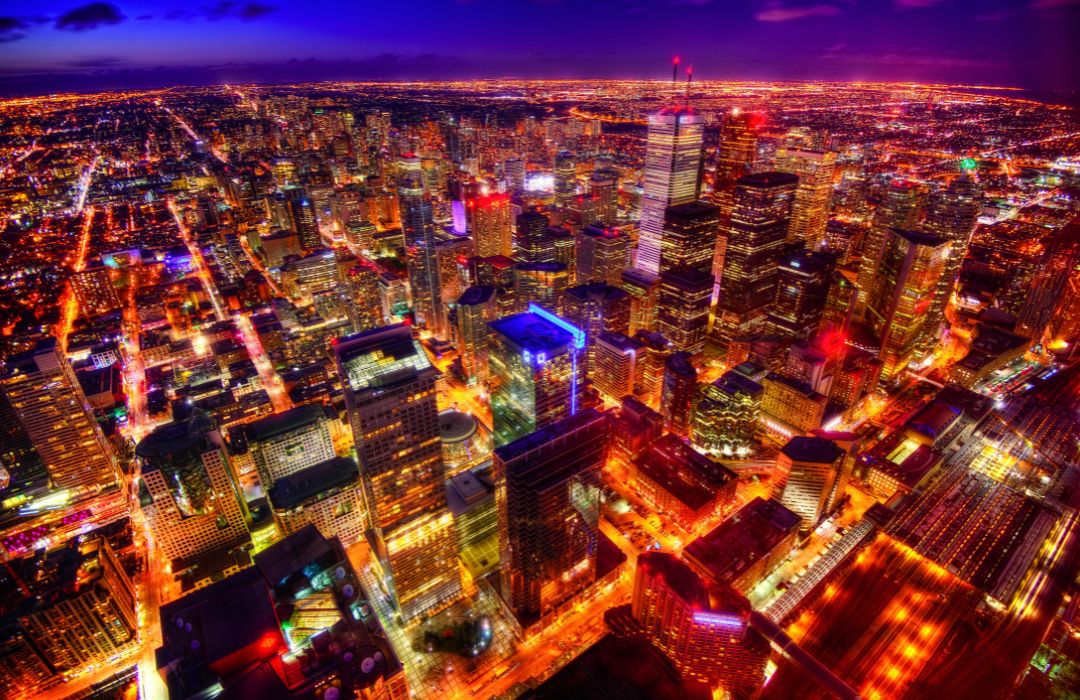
x,y
295,490
283,423
818,450
538,331
734,545
682,471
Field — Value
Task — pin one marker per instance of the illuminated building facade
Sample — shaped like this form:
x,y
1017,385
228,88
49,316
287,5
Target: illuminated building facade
x,y
677,393
471,495
790,407
94,290
811,477
753,240
738,148
653,359
390,397
898,304
188,493
672,165
604,190
602,254
1061,256
644,290
492,225
547,491
596,308
541,283
899,208
419,231
675,479
616,372
690,232
565,178
361,288
537,370
49,402
286,443
813,195
683,314
802,289
725,415
326,495
531,241
475,309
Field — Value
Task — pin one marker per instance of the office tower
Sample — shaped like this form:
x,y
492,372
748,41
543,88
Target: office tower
x,y
813,195
67,609
531,242
603,254
738,148
899,208
547,491
644,290
451,257
326,495
303,219
790,406
514,171
672,168
1050,284
802,289
471,495
419,232
615,368
903,289
683,314
634,426
187,493
287,628
753,240
286,443
809,470
655,351
492,225
360,234
596,308
565,178
303,278
840,304
704,629
725,416
952,216
690,232
475,309
23,475
94,290
1063,332
677,393
389,387
564,247
45,395
541,283
690,489
361,290
604,191
537,373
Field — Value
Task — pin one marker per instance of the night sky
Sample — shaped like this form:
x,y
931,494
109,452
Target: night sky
x,y
50,46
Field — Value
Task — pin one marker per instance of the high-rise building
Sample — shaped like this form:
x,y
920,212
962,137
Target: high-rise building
x,y
811,478
565,178
188,493
536,365
604,190
492,225
644,290
531,241
286,443
302,218
475,309
899,208
738,148
802,288
603,254
677,393
725,415
547,491
704,629
672,169
616,371
452,260
52,409
813,195
596,308
514,170
389,388
952,215
418,229
23,474
683,314
653,359
564,248
361,289
898,303
1060,257
94,290
326,495
542,283
753,240
690,232
691,489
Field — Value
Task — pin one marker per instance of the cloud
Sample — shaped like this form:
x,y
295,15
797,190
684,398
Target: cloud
x,y
781,13
237,10
1053,4
12,29
915,4
92,16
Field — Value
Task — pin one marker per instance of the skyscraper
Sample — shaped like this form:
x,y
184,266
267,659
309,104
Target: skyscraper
x,y
801,292
690,232
616,371
725,416
1060,257
492,225
187,491
754,237
738,145
898,303
672,168
303,219
898,209
602,254
604,190
547,492
390,397
537,372
475,309
683,314
813,195
540,283
289,442
46,397
644,290
419,232
677,393
565,178
531,241
810,478
596,308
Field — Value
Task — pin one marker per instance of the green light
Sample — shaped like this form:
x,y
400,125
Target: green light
x,y
968,164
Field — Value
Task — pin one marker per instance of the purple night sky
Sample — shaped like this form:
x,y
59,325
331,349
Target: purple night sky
x,y
52,46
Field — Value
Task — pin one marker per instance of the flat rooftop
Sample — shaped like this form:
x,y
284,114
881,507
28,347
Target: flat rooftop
x,y
735,544
689,476
537,332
